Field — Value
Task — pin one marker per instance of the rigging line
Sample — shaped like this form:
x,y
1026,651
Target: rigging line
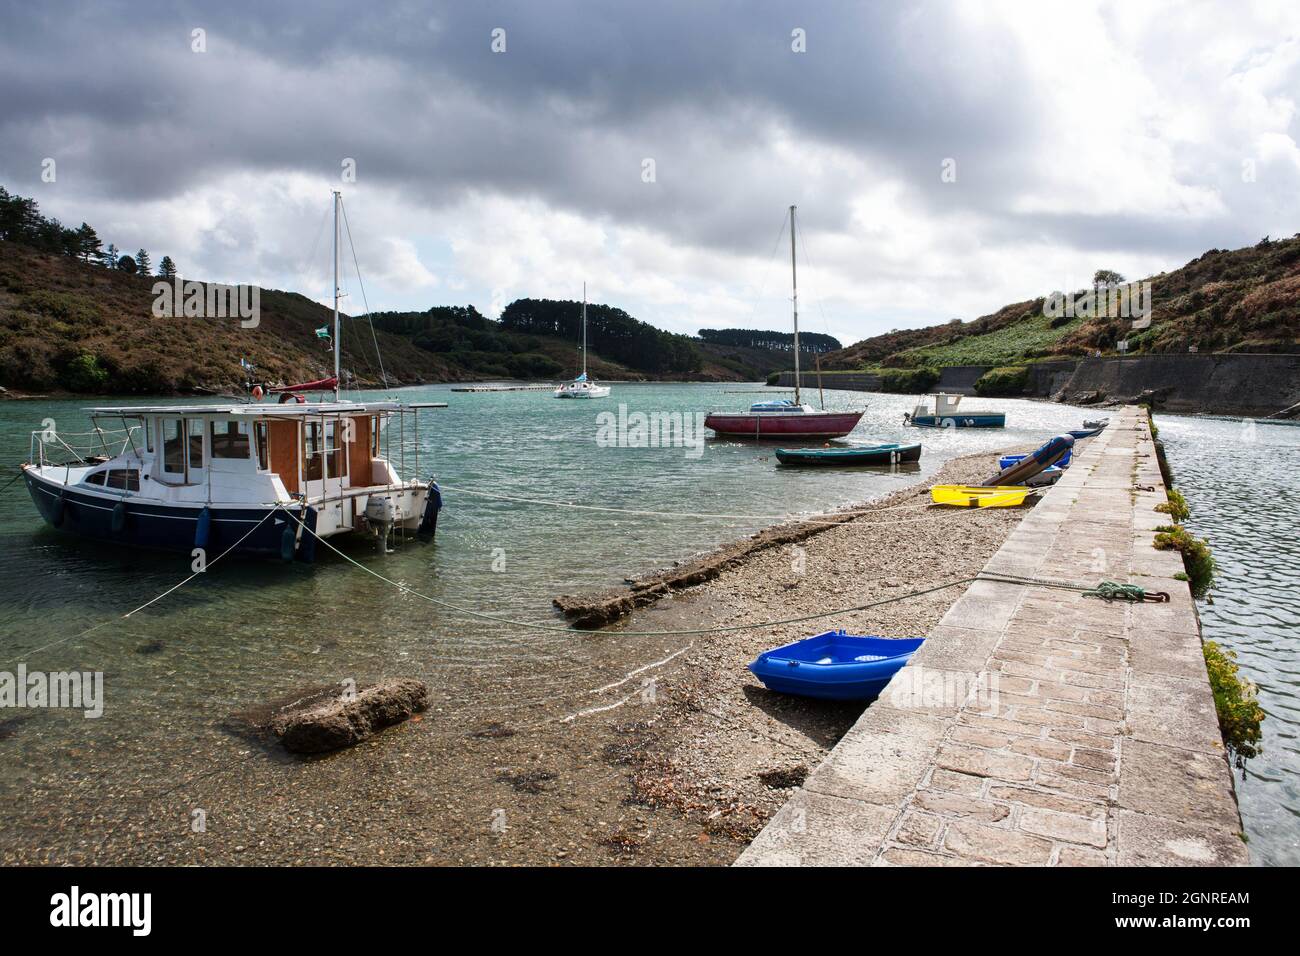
x,y
364,301
680,514
767,269
807,262
64,640
575,630
311,256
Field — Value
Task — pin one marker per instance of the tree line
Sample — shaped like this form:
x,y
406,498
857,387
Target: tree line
x,y
21,221
813,342
611,332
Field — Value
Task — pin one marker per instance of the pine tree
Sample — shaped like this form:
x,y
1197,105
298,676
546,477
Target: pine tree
x,y
110,256
167,268
142,264
89,248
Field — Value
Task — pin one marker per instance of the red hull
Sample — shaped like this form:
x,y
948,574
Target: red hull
x,y
780,425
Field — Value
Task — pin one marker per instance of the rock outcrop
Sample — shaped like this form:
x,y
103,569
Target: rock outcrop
x,y
338,716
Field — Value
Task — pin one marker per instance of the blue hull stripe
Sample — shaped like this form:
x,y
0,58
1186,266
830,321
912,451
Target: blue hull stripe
x,y
159,527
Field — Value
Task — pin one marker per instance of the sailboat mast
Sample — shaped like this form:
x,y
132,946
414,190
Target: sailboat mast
x,y
336,295
794,286
584,328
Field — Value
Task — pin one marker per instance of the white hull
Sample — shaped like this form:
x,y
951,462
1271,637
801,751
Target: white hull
x,y
579,391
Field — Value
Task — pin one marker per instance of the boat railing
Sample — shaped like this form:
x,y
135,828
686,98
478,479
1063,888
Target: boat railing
x,y
95,444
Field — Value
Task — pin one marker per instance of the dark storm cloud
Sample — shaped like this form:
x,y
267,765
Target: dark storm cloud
x,y
583,93
737,124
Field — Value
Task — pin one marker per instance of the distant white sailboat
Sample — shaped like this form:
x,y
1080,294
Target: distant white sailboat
x,y
582,387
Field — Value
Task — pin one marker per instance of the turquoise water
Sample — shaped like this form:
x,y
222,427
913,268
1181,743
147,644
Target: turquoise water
x,y
1239,480
247,632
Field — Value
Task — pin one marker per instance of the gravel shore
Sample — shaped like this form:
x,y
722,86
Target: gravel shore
x,y
726,750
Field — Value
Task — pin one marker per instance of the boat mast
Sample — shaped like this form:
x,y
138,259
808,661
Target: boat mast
x,y
337,197
584,329
794,285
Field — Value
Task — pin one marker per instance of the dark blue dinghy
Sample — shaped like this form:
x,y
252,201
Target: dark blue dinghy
x,y
834,665
893,454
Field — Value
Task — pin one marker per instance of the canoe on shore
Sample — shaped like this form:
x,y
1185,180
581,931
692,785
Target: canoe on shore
x,y
1023,467
859,455
980,496
834,665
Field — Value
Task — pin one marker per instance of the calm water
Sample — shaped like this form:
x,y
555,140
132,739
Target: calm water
x,y
1239,480
246,632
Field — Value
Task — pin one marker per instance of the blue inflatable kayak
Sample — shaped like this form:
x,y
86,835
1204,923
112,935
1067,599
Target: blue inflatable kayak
x,y
834,665
1006,461
1027,466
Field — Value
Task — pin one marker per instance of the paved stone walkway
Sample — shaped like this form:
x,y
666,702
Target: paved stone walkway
x,y
1036,726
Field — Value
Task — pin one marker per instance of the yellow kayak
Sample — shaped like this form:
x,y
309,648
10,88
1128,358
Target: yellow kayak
x,y
975,496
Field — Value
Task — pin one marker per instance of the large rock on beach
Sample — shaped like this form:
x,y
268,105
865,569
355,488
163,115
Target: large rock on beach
x,y
341,719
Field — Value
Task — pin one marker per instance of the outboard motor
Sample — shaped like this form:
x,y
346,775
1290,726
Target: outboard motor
x,y
432,505
381,513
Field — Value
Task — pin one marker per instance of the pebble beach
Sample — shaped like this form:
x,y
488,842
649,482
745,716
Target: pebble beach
x,y
726,750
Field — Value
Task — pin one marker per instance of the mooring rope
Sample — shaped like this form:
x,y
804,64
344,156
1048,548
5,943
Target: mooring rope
x,y
153,600
566,629
811,519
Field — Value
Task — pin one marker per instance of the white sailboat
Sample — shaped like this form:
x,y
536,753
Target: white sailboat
x,y
582,387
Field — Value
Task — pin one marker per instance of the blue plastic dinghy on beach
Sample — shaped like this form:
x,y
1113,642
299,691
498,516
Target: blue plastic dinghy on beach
x,y
834,665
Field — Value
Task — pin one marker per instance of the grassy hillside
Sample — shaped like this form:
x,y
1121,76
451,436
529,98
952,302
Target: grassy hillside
x,y
1244,300
66,325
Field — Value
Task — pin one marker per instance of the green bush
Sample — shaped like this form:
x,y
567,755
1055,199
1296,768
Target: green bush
x,y
773,378
1176,506
1005,380
908,381
85,374
1197,558
1235,702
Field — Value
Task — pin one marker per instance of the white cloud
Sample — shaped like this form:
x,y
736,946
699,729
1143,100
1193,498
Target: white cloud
x,y
1086,136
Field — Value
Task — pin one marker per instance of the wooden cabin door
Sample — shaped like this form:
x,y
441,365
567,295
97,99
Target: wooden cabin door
x,y
284,452
359,452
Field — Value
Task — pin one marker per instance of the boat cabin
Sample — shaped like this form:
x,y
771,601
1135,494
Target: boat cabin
x,y
329,456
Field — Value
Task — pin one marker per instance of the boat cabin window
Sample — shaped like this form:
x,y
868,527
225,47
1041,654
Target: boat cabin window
x,y
97,478
313,446
259,431
333,451
195,429
148,439
374,436
126,479
229,439
173,444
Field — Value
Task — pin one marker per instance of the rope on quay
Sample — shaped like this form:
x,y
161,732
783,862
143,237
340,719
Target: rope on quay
x,y
1106,590
563,629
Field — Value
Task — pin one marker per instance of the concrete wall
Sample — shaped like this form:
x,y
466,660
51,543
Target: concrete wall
x,y
847,381
1234,384
960,379
1221,384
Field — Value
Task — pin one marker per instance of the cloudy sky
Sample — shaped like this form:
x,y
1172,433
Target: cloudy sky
x,y
1132,136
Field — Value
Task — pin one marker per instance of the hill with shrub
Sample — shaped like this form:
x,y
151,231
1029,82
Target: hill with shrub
x,y
1241,300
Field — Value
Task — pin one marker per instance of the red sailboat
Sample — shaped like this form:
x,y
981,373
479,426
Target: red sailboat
x,y
783,418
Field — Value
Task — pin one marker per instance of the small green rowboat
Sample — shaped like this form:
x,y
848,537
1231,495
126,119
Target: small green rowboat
x,y
857,455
